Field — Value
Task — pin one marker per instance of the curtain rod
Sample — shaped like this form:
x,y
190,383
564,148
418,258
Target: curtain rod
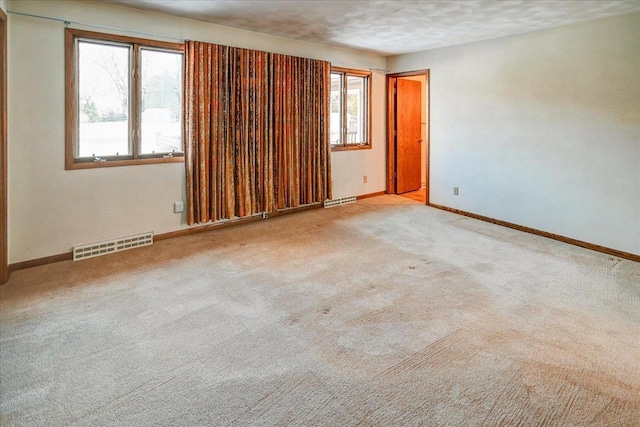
x,y
68,22
344,64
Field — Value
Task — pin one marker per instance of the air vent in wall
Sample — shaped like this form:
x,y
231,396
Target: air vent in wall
x,y
338,202
97,249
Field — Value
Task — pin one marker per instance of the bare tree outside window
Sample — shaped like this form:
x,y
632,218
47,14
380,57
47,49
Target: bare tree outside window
x,y
123,100
104,99
161,127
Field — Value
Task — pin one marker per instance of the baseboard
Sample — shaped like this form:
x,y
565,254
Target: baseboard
x,y
587,245
67,256
376,194
170,235
222,224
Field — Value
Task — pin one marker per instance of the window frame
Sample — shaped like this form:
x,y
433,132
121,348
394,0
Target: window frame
x,y
72,123
344,145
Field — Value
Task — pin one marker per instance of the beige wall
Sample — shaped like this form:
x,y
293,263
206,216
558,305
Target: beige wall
x,y
541,129
52,209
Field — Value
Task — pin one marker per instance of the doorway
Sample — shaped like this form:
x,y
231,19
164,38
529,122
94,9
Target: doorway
x,y
408,135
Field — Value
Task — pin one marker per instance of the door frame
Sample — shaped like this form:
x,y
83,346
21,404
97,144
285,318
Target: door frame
x,y
4,266
392,143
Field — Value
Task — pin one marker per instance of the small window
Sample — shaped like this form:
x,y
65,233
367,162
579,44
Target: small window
x,y
124,100
350,109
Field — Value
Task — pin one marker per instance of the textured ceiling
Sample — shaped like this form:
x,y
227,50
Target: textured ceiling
x,y
390,27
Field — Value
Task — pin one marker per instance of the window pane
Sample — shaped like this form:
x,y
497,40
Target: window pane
x,y
103,80
336,108
356,109
161,102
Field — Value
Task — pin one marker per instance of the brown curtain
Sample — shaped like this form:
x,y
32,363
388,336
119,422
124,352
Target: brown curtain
x,y
256,131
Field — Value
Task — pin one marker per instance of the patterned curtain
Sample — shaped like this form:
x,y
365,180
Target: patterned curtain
x,y
256,131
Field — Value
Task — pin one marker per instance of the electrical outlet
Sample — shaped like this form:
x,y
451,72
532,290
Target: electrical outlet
x,y
455,191
364,179
178,207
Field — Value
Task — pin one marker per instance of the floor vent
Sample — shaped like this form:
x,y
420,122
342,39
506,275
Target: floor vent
x,y
338,202
97,249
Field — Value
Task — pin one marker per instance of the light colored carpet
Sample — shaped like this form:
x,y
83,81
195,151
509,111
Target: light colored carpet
x,y
383,312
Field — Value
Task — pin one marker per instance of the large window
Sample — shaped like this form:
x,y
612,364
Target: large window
x,y
124,100
350,109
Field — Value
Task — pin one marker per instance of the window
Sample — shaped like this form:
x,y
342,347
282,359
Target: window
x,y
123,101
350,109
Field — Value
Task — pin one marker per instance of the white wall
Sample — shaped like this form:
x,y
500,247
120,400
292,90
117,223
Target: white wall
x,y
541,129
51,209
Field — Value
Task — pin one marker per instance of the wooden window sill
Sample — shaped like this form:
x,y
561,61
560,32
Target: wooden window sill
x,y
351,147
128,162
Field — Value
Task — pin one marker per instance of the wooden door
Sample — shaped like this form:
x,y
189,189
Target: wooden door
x,y
408,139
